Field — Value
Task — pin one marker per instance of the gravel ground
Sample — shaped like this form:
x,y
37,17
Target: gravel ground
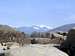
x,y
36,50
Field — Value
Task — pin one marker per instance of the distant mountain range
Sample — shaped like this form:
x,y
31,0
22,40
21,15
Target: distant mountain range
x,y
38,28
64,28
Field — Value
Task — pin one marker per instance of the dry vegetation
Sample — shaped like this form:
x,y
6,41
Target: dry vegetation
x,y
21,38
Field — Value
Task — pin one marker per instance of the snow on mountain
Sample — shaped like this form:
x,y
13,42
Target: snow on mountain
x,y
41,26
38,28
45,26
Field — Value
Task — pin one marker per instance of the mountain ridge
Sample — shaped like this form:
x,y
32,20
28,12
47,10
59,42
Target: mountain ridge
x,y
37,28
64,28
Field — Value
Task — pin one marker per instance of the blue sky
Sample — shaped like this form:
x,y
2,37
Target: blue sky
x,y
53,13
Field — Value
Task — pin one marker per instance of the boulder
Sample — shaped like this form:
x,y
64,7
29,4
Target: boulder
x,y
69,44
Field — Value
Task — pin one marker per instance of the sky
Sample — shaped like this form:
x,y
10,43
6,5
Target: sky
x,y
54,13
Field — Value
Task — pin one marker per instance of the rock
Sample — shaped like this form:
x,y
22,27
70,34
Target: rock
x,y
69,44
12,45
2,54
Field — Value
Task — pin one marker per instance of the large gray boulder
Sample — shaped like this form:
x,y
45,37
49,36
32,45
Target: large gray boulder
x,y
69,44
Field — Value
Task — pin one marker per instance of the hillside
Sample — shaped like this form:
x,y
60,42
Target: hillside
x,y
6,28
9,34
63,28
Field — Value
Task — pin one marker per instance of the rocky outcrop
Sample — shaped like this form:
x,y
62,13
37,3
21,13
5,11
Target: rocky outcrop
x,y
69,44
9,36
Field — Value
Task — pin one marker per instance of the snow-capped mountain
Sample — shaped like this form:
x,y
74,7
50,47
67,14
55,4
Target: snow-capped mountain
x,y
38,28
41,27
